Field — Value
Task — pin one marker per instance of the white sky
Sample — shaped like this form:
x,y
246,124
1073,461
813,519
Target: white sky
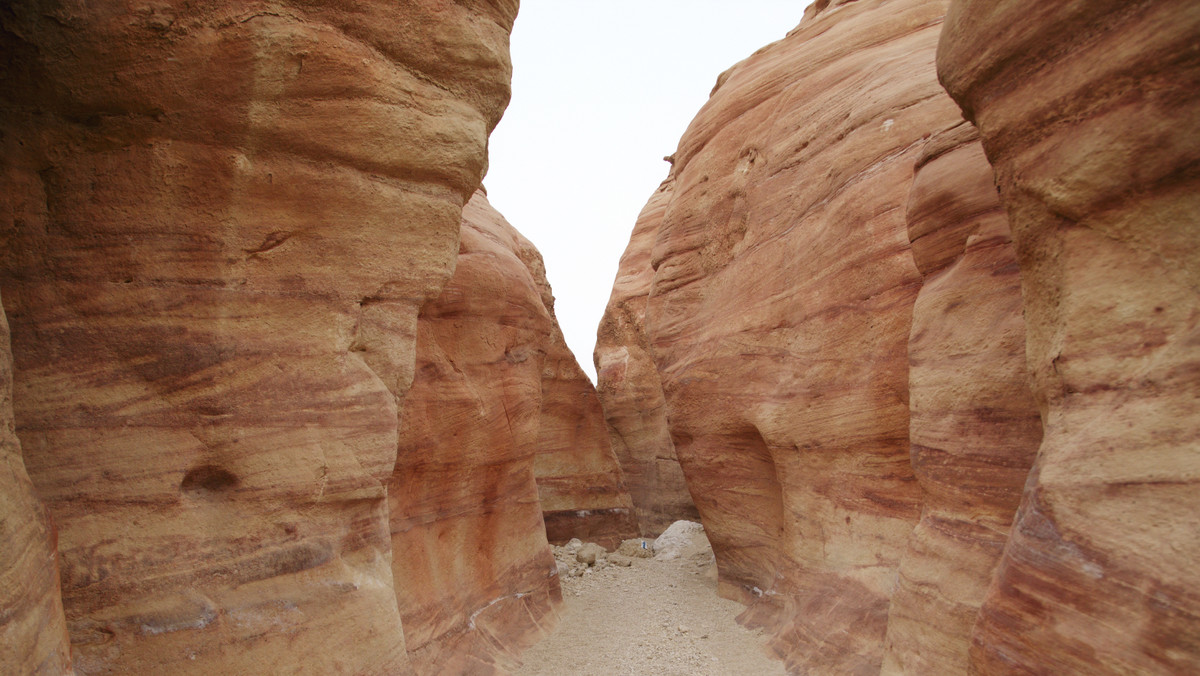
x,y
601,92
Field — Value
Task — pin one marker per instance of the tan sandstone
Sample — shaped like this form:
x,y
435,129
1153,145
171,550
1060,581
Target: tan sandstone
x,y
973,424
213,282
33,629
580,484
476,579
630,389
779,318
1088,114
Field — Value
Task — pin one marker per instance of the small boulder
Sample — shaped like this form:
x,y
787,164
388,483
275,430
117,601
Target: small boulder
x,y
637,548
573,545
589,553
620,560
679,536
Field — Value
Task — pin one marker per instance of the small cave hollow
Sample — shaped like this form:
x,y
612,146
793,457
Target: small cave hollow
x,y
208,480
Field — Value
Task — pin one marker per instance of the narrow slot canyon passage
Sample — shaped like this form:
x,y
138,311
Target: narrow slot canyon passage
x,y
654,615
898,372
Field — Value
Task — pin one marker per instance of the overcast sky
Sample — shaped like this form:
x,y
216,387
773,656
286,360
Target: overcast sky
x,y
601,92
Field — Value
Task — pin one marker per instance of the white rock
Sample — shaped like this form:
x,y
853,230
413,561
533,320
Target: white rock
x,y
679,536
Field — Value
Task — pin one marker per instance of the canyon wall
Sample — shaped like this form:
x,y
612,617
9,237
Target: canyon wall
x,y
973,424
931,428
475,577
1088,114
213,282
630,389
502,445
33,629
580,483
779,317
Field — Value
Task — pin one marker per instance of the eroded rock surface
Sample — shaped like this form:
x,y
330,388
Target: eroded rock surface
x,y
475,578
580,484
974,426
33,629
630,389
780,317
858,450
1088,115
221,220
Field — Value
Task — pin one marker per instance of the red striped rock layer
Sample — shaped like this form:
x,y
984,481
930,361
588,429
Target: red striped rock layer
x,y
780,318
974,426
33,629
630,389
476,578
213,282
580,484
1088,115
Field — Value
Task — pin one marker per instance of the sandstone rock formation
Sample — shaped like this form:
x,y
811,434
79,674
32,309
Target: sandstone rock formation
x,y
630,389
780,316
973,424
1088,115
221,220
33,630
502,443
475,576
580,484
843,346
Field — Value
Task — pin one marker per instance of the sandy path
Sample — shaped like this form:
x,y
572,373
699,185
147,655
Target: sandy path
x,y
654,617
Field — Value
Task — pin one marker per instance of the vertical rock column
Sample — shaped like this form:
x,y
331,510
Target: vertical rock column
x,y
225,217
1088,113
33,630
630,389
974,426
476,580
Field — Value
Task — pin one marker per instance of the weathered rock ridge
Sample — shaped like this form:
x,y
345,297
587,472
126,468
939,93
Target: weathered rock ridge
x,y
825,307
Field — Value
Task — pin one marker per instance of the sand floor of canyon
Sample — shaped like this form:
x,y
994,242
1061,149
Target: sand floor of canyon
x,y
659,617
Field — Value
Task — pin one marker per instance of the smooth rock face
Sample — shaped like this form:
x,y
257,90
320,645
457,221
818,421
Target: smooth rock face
x,y
974,426
630,389
780,318
475,576
213,282
1087,111
33,630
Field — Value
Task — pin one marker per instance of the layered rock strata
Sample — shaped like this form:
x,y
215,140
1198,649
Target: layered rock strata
x,y
780,314
33,629
973,424
1087,112
476,579
580,483
844,347
630,389
213,283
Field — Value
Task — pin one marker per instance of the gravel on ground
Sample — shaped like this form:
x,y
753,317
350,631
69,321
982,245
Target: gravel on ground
x,y
657,616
